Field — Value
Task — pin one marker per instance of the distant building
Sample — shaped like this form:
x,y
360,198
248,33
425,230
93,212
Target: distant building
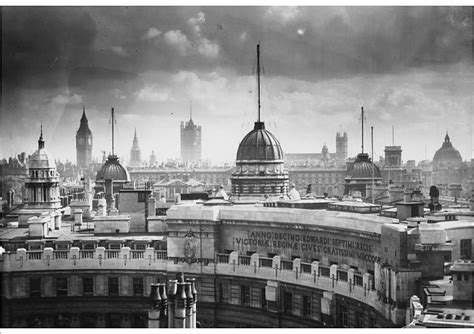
x,y
393,156
447,168
152,162
341,146
323,159
170,189
13,173
190,142
84,143
322,180
42,186
135,153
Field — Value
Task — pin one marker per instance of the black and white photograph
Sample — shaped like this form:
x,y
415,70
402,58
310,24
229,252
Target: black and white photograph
x,y
237,166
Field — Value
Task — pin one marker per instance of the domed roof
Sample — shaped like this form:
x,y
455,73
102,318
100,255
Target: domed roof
x,y
447,154
259,144
362,168
113,170
41,158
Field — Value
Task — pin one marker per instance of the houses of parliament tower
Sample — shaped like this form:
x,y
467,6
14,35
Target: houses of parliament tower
x,y
84,143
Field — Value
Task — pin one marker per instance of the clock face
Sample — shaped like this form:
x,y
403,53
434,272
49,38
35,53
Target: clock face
x,y
239,169
261,168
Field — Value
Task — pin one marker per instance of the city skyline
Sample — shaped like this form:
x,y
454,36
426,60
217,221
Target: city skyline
x,y
410,67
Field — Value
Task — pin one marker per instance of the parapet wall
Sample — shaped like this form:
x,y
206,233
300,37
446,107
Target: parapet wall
x,y
347,283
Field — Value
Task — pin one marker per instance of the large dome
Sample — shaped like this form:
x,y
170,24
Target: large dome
x,y
362,168
113,170
447,154
259,144
41,159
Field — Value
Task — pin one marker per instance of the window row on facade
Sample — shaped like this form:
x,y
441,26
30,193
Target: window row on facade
x,y
86,286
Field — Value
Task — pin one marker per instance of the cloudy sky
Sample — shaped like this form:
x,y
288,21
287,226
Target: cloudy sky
x,y
411,67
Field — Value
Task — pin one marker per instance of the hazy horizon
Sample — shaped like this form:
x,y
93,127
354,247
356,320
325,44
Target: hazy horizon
x,y
410,67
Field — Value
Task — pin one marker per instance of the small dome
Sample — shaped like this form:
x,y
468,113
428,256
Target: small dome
x,y
41,159
113,170
362,168
447,154
259,144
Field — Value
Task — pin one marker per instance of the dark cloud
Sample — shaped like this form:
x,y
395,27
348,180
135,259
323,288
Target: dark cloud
x,y
98,56
41,43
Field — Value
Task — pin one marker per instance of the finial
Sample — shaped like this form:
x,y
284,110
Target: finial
x,y
40,140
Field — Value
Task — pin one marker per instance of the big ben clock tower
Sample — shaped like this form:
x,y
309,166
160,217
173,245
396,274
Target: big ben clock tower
x,y
84,142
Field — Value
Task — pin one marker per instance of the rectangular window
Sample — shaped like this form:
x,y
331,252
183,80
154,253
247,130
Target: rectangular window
x,y
466,247
466,276
288,302
87,286
35,287
263,298
359,319
306,305
61,286
138,286
141,197
221,296
113,286
344,322
245,295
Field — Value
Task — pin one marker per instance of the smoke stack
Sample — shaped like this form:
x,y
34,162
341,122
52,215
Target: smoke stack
x,y
172,302
163,305
189,305
180,306
194,305
155,307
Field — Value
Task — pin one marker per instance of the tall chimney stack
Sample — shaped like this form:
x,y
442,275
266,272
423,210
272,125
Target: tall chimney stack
x,y
172,302
155,307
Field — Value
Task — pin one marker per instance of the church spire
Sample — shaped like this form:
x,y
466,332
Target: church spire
x,y
40,140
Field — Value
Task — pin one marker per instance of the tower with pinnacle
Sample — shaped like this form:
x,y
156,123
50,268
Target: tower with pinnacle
x,y
135,153
190,140
84,142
